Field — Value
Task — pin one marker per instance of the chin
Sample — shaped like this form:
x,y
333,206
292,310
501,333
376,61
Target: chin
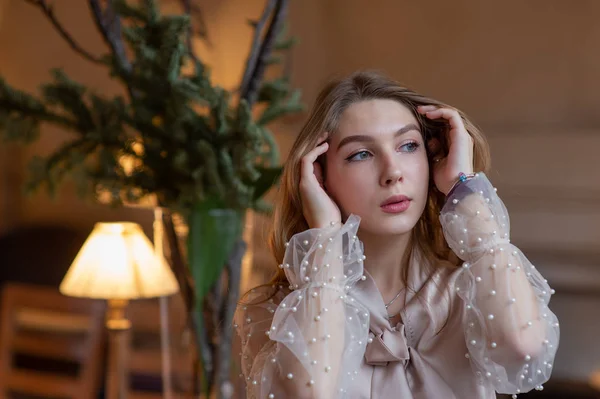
x,y
388,224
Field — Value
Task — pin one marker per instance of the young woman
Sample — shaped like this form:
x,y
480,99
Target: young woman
x,y
396,278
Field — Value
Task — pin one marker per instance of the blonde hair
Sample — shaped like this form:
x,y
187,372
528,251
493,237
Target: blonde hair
x,y
325,115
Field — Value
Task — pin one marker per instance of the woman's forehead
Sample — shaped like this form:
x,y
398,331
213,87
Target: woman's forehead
x,y
373,118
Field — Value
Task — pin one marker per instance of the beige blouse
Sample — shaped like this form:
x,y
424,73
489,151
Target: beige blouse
x,y
464,333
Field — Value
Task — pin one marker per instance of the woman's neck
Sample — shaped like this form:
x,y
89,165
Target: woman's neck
x,y
387,257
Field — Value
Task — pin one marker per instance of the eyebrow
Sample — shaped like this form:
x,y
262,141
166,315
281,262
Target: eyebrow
x,y
366,138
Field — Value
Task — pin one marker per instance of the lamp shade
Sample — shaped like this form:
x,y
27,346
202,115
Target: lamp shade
x,y
118,261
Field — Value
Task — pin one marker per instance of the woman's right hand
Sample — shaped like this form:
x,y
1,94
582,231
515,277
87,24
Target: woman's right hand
x,y
317,206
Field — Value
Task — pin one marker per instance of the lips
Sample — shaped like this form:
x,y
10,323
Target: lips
x,y
395,199
396,204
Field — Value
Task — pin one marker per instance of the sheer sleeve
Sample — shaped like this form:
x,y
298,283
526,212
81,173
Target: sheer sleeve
x,y
511,334
309,342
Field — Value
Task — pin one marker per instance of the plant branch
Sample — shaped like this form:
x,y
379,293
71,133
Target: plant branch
x,y
41,115
233,269
259,53
186,285
109,25
206,348
48,11
256,44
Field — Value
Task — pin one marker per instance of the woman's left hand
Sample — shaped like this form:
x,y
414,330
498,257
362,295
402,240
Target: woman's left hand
x,y
460,152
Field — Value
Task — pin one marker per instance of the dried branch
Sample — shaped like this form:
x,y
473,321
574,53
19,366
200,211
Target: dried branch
x,y
210,334
234,271
213,303
185,280
259,54
109,25
112,24
186,287
48,10
206,348
256,44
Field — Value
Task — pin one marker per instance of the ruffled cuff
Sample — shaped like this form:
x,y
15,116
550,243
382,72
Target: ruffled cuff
x,y
511,334
475,224
318,333
318,257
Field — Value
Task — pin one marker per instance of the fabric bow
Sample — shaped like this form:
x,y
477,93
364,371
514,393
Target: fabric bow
x,y
388,346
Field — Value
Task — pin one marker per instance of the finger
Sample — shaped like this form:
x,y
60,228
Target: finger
x,y
426,108
451,115
317,151
322,138
309,159
458,137
444,113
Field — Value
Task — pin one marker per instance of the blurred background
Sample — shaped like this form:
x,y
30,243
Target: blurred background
x,y
527,72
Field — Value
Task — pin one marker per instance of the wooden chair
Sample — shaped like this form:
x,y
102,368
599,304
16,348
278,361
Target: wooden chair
x,y
50,345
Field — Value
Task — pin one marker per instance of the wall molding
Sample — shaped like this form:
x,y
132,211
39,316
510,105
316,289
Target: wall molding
x,y
570,271
495,130
558,198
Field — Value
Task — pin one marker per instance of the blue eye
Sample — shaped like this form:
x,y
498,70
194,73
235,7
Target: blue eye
x,y
411,147
362,155
359,156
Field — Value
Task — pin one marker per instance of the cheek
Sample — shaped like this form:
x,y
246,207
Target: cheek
x,y
421,172
348,187
421,178
424,171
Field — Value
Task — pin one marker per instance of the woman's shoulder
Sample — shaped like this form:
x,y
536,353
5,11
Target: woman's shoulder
x,y
260,302
256,308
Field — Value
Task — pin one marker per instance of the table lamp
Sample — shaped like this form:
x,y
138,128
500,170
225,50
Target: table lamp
x,y
117,263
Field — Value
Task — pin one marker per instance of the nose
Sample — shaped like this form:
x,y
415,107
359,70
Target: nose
x,y
391,171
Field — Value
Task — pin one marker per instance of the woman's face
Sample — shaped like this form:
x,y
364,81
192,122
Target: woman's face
x,y
378,153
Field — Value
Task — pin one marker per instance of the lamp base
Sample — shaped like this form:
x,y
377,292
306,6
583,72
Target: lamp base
x,y
118,336
116,318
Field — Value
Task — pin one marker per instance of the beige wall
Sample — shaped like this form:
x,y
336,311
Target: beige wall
x,y
509,63
526,72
